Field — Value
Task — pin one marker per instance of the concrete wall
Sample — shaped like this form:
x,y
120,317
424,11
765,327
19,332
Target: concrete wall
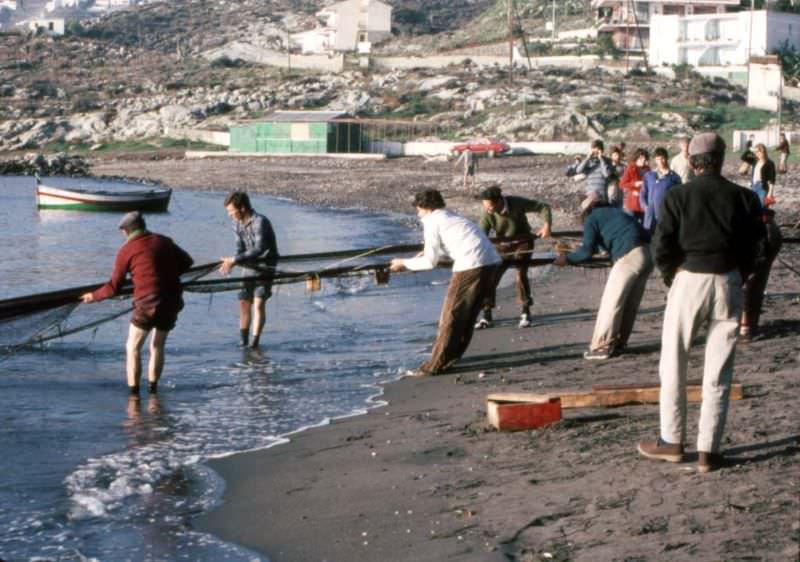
x,y
441,61
764,86
769,136
791,93
221,138
251,53
517,148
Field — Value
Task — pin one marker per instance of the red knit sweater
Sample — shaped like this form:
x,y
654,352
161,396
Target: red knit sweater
x,y
155,263
629,178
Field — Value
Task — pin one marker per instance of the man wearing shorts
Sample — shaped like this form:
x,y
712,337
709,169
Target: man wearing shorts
x,y
255,241
155,264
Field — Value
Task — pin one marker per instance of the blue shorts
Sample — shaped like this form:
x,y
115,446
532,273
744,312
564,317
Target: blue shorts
x,y
257,288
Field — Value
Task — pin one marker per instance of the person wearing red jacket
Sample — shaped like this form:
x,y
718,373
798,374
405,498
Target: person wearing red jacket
x,y
155,264
631,183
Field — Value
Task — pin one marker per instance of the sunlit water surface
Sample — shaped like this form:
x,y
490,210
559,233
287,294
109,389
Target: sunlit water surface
x,y
87,474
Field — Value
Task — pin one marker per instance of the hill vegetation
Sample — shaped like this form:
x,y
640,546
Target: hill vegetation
x,y
133,74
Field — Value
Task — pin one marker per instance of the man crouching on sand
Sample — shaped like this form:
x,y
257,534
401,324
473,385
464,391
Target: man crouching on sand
x,y
475,261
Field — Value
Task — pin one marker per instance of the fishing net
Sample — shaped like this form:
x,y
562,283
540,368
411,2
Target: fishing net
x,y
39,318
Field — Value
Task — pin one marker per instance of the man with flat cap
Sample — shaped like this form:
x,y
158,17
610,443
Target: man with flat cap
x,y
506,216
155,264
709,240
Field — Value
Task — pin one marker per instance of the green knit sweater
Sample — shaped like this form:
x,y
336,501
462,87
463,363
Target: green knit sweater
x,y
512,221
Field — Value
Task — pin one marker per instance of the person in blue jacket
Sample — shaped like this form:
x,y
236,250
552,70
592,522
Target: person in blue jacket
x,y
655,185
613,230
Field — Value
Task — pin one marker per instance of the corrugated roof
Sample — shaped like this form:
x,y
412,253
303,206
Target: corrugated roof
x,y
303,116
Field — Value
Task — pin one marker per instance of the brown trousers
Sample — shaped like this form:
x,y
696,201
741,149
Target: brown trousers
x,y
462,304
755,286
520,250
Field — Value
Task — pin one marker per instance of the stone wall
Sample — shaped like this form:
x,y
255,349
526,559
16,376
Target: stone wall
x,y
259,55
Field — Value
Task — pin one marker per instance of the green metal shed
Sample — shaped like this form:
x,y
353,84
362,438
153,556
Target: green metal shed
x,y
300,132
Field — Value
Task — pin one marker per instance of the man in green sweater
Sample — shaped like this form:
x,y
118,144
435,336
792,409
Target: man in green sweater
x,y
507,217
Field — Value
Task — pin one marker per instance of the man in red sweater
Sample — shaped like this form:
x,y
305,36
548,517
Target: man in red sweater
x,y
155,264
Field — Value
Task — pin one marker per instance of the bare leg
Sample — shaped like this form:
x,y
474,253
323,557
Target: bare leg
x,y
259,318
133,348
244,314
156,364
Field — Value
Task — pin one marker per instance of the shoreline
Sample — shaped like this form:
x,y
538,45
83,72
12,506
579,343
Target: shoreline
x,y
425,478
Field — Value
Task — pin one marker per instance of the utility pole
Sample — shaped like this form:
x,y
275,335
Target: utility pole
x,y
750,45
510,44
288,50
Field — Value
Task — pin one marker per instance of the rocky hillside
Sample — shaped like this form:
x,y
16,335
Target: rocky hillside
x,y
138,75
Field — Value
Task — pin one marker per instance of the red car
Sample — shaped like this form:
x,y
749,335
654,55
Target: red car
x,y
488,146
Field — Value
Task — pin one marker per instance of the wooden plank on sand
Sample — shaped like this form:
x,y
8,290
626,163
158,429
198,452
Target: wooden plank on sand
x,y
610,397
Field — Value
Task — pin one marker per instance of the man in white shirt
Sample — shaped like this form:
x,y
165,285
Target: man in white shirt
x,y
680,162
475,261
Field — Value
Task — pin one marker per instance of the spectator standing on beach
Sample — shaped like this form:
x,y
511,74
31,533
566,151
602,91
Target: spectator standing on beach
x,y
783,150
255,240
597,169
615,194
611,229
155,264
506,216
764,176
475,262
680,162
756,284
655,185
470,166
632,181
709,239
748,158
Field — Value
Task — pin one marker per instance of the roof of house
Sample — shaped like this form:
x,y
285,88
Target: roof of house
x,y
296,117
303,116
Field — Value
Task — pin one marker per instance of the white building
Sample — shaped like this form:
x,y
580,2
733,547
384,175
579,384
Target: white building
x,y
348,25
52,26
318,40
629,23
721,39
58,5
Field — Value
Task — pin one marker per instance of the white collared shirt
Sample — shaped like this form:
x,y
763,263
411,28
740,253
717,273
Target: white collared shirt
x,y
450,234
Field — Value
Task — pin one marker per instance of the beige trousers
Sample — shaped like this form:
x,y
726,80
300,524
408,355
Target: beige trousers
x,y
622,295
697,299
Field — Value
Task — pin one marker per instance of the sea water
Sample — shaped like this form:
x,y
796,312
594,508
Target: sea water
x,y
87,473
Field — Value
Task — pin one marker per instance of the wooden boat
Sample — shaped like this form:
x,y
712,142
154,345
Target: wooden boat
x,y
152,200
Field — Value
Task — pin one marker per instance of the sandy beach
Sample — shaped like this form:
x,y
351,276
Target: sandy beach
x,y
424,477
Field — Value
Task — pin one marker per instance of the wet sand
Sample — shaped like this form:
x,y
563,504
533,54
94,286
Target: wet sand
x,y
425,478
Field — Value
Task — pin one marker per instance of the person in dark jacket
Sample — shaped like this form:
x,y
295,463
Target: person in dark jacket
x,y
612,229
506,216
255,240
155,264
784,151
756,284
708,240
